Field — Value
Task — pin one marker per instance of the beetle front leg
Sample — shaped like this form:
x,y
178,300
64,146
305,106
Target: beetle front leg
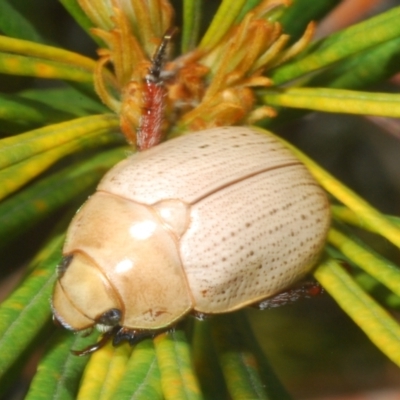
x,y
134,336
305,290
98,345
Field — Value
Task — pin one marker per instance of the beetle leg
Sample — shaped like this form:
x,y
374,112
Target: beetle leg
x,y
133,336
306,290
108,323
86,332
109,318
96,346
199,315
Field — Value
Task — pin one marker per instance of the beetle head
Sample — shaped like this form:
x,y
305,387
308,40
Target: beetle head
x,y
83,297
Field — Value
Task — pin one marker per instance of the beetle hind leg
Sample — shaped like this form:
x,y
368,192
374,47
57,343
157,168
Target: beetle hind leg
x,y
305,290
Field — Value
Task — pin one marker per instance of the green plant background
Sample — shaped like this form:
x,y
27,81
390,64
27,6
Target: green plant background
x,y
57,140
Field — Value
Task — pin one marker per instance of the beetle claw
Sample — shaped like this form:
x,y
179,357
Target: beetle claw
x,y
120,334
96,346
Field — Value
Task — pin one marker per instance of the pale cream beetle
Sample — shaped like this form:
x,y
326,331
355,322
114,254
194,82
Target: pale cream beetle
x,y
209,222
206,223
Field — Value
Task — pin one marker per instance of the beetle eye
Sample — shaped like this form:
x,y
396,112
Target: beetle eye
x,y
64,264
110,317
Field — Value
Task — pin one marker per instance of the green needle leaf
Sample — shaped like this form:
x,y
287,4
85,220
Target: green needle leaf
x,y
341,45
298,15
72,6
350,217
59,371
381,269
50,53
226,15
336,100
17,109
13,23
377,324
65,99
209,373
238,362
37,107
23,210
103,372
17,148
141,380
177,376
365,68
192,13
14,64
15,176
26,311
